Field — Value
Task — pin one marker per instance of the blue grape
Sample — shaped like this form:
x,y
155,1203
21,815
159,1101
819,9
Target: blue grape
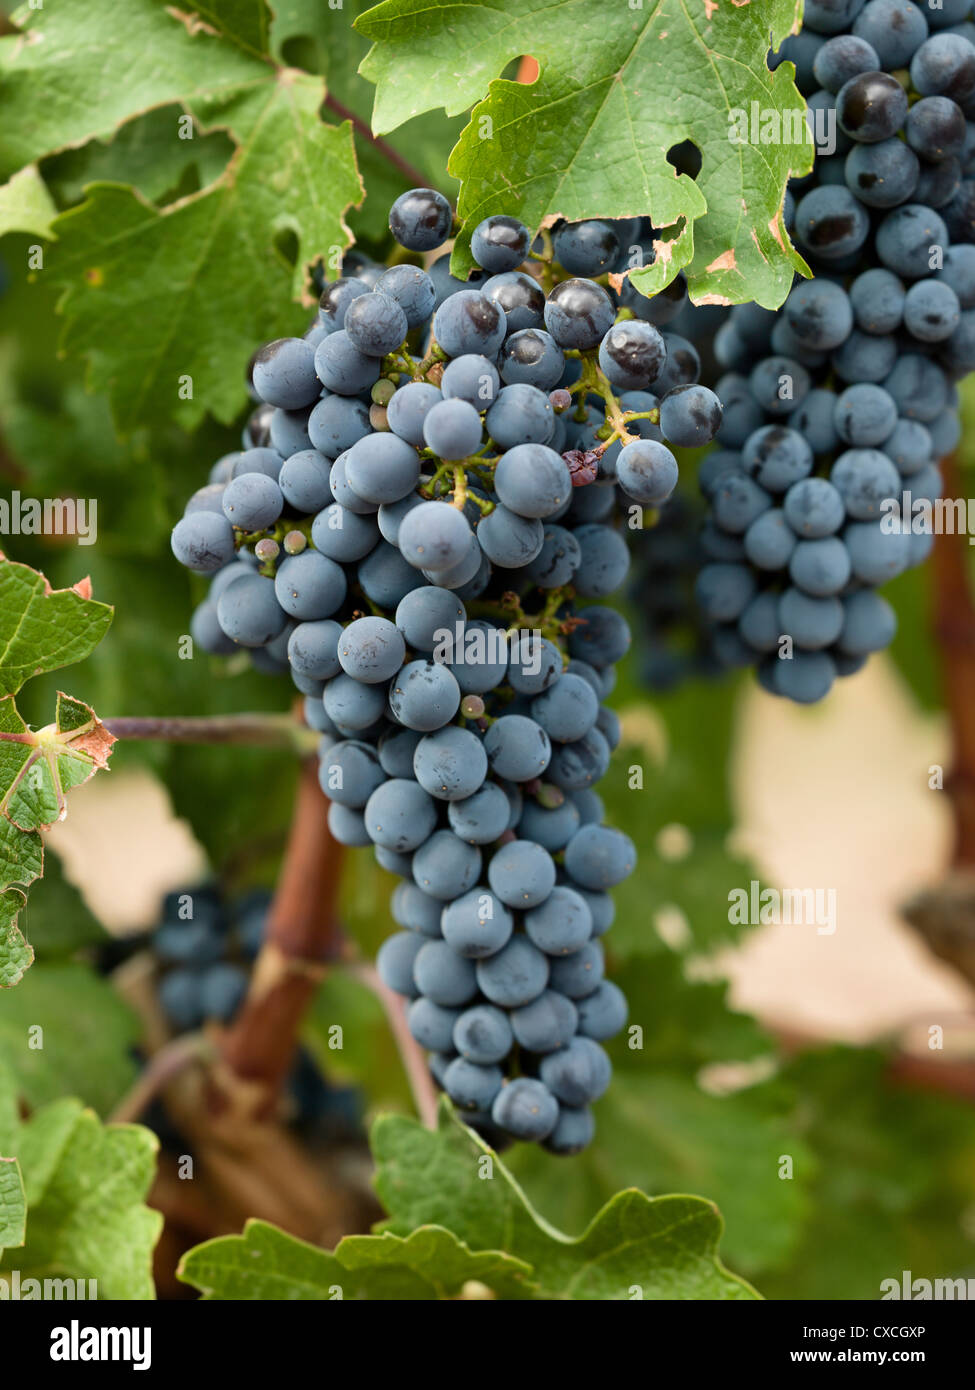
x,y
877,299
508,540
882,175
547,1023
450,764
723,591
552,829
567,710
352,705
452,429
309,586
434,536
560,925
409,408
893,28
521,298
336,298
343,535
869,624
477,924
931,311
935,129
249,613
581,763
342,368
372,650
471,378
819,313
400,815
203,542
412,289
376,324
386,577
806,678
440,974
558,560
180,995
573,1131
865,415
252,501
820,567
770,541
481,818
876,553
632,354
602,637
647,471
350,773
586,248
521,414
479,663
470,1086
811,622
424,614
525,1109
413,908
904,239
813,508
841,58
336,423
515,975
578,314
532,357
578,1073
424,696
382,468
469,322
446,866
864,478
303,481
500,243
345,495
599,857
690,416
284,373
207,633
517,748
603,1013
865,357
395,961
483,1034
522,874
421,219
432,1025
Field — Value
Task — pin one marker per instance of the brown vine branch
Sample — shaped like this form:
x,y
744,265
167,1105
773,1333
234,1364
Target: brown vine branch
x,y
280,730
169,1062
411,1054
303,936
954,628
411,174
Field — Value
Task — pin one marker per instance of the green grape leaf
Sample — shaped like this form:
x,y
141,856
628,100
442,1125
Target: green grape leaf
x,y
146,153
60,74
265,1263
65,1030
21,856
26,205
245,22
37,769
13,1205
317,37
43,628
85,1186
661,1130
15,954
635,1247
617,88
168,305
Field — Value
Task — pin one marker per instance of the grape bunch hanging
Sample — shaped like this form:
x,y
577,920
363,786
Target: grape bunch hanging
x,y
422,526
839,406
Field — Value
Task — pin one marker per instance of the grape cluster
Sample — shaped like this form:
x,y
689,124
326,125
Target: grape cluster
x,y
838,407
422,526
205,948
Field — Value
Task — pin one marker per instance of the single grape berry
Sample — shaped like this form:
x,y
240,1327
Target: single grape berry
x,y
421,219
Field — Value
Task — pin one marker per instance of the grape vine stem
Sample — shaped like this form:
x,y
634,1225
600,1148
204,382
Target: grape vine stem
x,y
278,730
303,937
414,1062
